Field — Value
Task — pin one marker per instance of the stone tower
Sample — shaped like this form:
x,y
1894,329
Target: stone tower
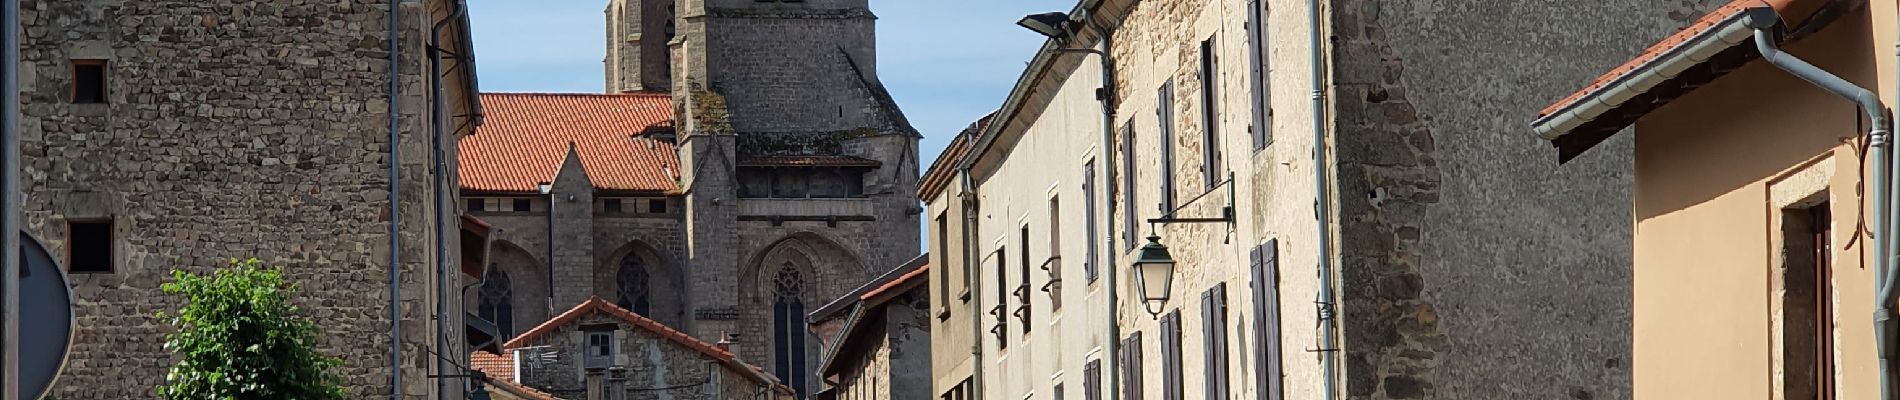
x,y
637,33
796,165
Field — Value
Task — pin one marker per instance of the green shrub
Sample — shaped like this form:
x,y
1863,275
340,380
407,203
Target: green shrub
x,y
239,338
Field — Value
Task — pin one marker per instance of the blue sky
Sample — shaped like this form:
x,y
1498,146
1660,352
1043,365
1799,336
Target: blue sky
x,y
947,62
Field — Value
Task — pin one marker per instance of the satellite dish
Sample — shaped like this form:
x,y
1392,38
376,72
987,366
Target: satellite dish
x,y
46,318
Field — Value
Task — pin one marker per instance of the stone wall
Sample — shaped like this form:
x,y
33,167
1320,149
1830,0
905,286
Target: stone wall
x,y
232,129
553,364
1473,266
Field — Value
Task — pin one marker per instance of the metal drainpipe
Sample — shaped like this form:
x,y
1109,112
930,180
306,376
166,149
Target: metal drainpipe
x,y
1107,97
1763,20
395,203
967,200
1322,209
438,119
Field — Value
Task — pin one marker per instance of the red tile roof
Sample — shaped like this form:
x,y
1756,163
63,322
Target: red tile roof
x,y
525,138
913,277
497,366
807,161
596,304
522,391
944,168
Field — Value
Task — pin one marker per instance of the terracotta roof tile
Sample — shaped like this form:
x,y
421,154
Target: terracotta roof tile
x,y
497,366
908,278
522,391
807,161
525,138
1658,50
941,170
596,304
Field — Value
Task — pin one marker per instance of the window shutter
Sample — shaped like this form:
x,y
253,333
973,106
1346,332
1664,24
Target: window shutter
x,y
1171,356
1131,367
1217,337
1164,116
1088,223
1257,73
1266,311
1092,380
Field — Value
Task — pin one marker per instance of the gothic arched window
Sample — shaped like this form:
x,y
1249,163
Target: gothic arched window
x,y
788,326
497,303
632,284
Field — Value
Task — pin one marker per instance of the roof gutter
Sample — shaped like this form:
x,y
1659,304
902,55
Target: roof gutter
x,y
1730,32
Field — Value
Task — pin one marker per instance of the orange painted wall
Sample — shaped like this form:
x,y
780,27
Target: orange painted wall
x,y
1704,219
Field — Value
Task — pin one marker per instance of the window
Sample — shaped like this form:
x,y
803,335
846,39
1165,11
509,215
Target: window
x,y
800,182
474,204
1057,393
1089,231
1001,330
656,206
611,206
788,326
1053,264
940,238
89,81
1210,117
633,285
600,346
89,249
1022,283
1092,380
1214,340
1806,303
1164,118
1259,128
1129,223
1265,262
496,303
1131,366
1171,356
523,205
491,205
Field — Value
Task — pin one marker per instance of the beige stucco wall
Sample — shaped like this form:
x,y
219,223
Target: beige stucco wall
x,y
1706,219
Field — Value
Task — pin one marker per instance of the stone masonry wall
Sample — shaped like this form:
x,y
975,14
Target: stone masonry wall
x,y
553,363
1473,266
232,129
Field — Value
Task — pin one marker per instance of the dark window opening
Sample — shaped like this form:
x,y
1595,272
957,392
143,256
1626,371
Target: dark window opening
x,y
523,205
800,183
1807,352
1022,282
612,206
634,285
790,183
473,204
788,325
90,249
496,303
1210,118
755,183
89,81
656,206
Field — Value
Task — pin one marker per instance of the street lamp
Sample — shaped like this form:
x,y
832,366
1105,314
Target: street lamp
x,y
1154,270
1055,25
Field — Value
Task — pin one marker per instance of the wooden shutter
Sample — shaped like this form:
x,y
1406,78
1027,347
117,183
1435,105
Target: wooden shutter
x,y
1164,115
1089,228
1214,343
1131,367
1171,356
1266,323
1257,73
1092,380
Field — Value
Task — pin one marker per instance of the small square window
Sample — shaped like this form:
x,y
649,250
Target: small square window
x,y
474,204
89,249
491,205
656,206
523,205
611,206
89,81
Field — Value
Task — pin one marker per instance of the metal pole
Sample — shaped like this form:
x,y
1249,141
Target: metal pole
x,y
10,198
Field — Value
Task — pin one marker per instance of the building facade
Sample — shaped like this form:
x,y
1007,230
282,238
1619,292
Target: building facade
x,y
878,338
706,190
162,136
1756,218
1437,267
598,350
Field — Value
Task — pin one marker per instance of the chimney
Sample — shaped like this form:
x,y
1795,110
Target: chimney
x,y
728,342
596,384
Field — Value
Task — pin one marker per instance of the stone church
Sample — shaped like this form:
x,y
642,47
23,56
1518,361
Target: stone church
x,y
743,167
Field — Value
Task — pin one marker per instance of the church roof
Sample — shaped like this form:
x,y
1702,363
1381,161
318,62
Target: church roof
x,y
525,137
595,304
